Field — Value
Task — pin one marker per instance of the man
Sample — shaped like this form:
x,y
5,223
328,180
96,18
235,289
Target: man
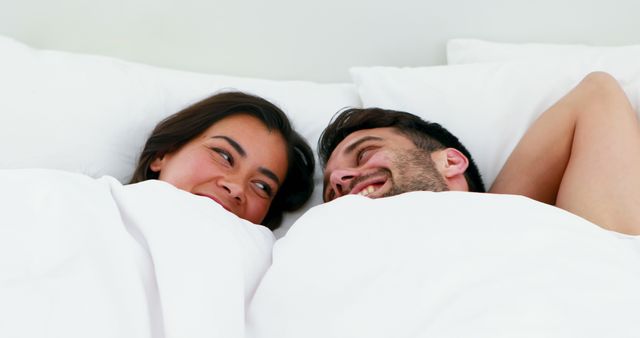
x,y
582,155
377,153
455,264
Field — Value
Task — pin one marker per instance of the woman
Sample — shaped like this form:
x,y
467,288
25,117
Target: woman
x,y
238,150
144,259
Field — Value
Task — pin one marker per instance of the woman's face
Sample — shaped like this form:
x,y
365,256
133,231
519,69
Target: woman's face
x,y
237,162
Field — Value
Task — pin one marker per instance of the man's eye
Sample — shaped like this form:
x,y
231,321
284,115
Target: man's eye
x,y
363,155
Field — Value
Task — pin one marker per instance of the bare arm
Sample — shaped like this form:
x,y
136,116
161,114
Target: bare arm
x,y
582,155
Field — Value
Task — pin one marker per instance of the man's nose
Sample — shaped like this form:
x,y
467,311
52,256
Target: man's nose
x,y
340,181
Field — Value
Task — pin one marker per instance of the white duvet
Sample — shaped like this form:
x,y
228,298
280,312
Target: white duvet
x,y
81,257
448,264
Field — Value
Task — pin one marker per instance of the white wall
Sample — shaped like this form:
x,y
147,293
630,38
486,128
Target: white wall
x,y
298,39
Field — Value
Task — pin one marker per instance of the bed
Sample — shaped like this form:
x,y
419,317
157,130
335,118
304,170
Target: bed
x,y
83,254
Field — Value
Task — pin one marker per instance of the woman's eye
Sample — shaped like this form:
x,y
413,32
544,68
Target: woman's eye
x,y
224,155
264,188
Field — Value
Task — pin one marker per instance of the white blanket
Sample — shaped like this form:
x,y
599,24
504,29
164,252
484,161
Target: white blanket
x,y
448,265
81,257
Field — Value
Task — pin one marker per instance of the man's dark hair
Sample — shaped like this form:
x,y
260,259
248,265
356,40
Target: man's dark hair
x,y
428,136
178,129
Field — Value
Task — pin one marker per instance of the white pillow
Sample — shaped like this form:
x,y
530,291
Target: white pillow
x,y
473,50
488,106
92,114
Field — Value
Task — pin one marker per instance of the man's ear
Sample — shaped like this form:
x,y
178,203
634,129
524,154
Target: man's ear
x,y
455,163
452,164
157,164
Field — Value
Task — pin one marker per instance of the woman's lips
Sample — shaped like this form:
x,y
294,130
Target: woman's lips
x,y
216,200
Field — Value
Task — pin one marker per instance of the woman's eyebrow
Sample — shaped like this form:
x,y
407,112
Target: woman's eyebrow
x,y
243,153
233,143
270,174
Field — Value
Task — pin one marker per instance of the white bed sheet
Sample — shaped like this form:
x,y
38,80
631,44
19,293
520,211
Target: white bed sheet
x,y
448,264
81,257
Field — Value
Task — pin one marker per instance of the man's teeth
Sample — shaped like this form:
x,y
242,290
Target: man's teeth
x,y
366,191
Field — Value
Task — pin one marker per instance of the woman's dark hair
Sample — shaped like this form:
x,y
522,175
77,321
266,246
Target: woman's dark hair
x,y
425,135
178,129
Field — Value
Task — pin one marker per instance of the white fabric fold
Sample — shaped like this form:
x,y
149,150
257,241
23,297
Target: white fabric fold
x,y
447,264
81,257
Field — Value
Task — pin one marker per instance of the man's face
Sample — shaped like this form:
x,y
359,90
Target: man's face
x,y
379,162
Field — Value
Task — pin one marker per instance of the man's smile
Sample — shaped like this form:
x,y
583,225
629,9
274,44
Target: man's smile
x,y
370,186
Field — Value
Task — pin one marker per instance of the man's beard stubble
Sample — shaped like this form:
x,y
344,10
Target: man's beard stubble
x,y
415,171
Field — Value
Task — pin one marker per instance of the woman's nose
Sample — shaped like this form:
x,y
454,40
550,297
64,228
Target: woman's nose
x,y
234,189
